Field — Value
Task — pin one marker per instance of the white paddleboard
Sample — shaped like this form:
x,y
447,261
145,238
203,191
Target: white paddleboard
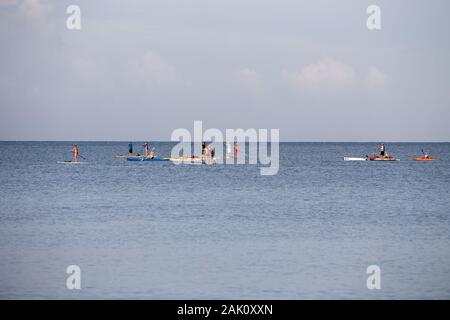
x,y
354,159
70,162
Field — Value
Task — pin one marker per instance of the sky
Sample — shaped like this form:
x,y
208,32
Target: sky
x,y
139,69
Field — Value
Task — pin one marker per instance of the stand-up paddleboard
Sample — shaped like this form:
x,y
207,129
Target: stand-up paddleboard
x,y
70,162
145,159
129,156
192,160
384,159
354,159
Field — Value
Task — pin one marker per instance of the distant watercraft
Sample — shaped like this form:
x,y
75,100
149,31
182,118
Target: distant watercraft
x,y
129,156
383,158
70,162
355,159
424,159
371,158
193,160
145,159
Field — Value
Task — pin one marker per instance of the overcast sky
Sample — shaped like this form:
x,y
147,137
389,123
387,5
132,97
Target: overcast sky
x,y
137,70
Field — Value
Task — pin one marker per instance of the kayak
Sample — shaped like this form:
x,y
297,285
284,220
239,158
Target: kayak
x,y
424,159
144,159
355,159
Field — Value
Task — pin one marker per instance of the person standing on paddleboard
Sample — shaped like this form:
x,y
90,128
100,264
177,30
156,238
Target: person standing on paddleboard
x,y
152,153
146,149
235,149
75,152
382,150
130,148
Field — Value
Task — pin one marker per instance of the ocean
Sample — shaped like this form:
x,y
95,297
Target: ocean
x,y
155,230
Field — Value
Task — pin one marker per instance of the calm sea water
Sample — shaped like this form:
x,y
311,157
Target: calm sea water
x,y
157,230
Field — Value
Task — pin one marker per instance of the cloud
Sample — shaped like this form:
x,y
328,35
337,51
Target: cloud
x,y
156,70
6,3
29,8
35,8
375,77
250,80
325,74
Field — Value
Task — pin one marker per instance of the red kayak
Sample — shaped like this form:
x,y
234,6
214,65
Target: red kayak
x,y
424,159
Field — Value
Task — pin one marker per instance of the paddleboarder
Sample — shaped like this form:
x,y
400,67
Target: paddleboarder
x,y
152,153
130,148
146,149
382,150
75,152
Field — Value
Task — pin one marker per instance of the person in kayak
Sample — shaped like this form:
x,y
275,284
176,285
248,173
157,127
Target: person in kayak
x,y
425,154
130,148
75,152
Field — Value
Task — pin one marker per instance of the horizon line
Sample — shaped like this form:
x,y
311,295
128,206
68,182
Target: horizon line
x,y
286,141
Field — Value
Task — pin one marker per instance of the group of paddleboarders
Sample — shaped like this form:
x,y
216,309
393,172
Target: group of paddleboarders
x,y
383,156
208,151
148,154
